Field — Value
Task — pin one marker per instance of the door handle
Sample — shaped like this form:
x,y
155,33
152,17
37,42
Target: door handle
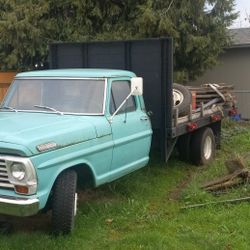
x,y
144,118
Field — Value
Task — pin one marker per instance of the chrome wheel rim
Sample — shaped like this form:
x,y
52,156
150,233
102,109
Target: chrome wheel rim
x,y
177,97
207,147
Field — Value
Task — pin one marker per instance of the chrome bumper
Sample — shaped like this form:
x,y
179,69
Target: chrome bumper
x,y
18,206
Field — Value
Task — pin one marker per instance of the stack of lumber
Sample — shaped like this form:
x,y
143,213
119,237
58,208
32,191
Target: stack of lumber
x,y
207,92
238,174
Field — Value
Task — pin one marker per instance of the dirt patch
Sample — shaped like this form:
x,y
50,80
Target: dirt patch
x,y
96,195
176,193
91,195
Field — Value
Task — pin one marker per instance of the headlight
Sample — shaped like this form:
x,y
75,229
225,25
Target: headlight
x,y
22,174
18,170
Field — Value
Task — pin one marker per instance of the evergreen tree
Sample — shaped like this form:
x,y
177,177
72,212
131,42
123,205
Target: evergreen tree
x,y
197,26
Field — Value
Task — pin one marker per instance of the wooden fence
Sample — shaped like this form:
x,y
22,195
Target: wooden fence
x,y
5,81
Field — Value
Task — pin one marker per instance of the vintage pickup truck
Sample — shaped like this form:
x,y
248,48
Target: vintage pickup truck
x,y
60,124
66,128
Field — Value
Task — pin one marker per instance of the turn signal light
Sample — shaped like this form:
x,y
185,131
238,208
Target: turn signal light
x,y
192,126
22,189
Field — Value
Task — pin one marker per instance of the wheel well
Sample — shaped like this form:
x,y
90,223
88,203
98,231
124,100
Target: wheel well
x,y
85,178
216,127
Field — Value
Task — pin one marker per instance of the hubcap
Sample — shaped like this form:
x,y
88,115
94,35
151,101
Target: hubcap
x,y
75,205
177,97
207,147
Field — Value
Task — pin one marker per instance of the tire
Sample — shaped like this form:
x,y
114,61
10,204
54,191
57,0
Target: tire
x,y
183,146
202,146
182,98
64,202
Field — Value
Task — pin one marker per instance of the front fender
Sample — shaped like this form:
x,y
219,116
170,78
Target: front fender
x,y
47,177
49,165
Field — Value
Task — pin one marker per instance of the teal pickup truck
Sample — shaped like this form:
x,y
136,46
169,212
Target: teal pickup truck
x,y
62,129
60,125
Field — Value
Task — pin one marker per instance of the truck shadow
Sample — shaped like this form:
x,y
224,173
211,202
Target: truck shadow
x,y
42,222
36,223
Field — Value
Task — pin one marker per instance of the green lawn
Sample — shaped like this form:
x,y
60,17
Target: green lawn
x,y
143,210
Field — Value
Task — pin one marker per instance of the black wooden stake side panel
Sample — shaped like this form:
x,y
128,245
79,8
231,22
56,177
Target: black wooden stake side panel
x,y
151,59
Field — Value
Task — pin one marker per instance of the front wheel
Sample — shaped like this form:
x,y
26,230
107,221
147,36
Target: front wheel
x,y
202,146
64,202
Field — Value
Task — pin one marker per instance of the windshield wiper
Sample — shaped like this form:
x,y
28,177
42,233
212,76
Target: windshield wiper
x,y
48,108
8,108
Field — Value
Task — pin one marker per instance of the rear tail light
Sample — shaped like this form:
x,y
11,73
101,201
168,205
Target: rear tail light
x,y
215,118
192,126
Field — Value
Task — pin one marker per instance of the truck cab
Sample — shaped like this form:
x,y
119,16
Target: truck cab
x,y
62,128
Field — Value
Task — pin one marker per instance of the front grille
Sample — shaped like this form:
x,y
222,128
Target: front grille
x,y
4,179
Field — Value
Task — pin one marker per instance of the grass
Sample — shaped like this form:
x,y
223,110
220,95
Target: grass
x,y
143,210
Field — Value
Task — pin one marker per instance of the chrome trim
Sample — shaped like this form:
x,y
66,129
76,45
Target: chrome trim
x,y
19,201
7,185
46,112
4,176
105,96
18,207
30,179
47,146
65,113
3,179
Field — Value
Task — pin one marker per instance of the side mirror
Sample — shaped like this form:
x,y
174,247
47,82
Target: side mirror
x,y
137,86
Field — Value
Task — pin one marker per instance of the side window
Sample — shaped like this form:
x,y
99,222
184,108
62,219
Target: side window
x,y
119,91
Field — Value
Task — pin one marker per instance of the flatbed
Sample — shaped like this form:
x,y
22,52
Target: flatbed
x,y
151,59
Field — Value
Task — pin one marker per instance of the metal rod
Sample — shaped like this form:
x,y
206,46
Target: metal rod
x,y
111,118
210,103
202,109
217,202
190,112
176,117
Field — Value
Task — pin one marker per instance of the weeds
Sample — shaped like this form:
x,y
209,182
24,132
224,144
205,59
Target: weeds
x,y
139,211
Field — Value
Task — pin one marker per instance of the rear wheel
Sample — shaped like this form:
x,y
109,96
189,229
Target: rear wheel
x,y
64,202
202,146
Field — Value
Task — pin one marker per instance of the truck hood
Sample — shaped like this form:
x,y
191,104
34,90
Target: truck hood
x,y
33,129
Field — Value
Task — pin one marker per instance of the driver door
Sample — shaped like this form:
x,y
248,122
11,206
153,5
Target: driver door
x,y
131,130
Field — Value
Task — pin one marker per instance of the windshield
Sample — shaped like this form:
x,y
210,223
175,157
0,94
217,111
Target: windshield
x,y
85,96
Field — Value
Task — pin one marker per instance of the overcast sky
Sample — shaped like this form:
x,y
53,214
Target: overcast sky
x,y
243,6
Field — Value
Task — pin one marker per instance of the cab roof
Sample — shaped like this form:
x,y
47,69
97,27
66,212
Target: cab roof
x,y
82,73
